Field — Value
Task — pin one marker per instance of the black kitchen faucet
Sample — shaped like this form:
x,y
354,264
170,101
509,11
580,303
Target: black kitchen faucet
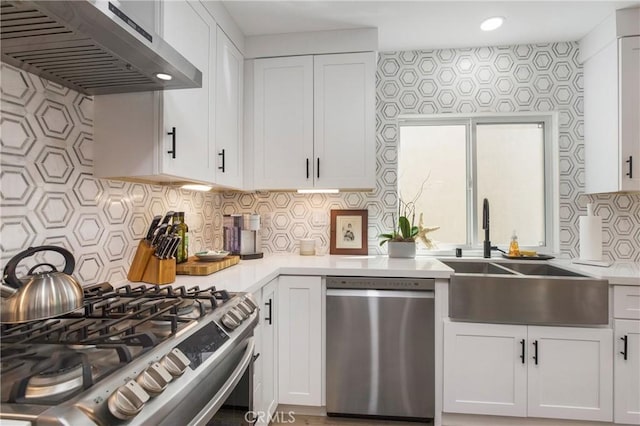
x,y
485,226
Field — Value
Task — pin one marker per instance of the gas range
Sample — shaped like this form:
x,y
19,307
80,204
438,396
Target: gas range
x,y
132,355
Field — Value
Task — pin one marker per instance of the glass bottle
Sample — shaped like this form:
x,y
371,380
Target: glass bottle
x,y
514,249
182,254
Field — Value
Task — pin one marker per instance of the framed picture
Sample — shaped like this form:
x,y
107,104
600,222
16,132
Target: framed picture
x,y
349,232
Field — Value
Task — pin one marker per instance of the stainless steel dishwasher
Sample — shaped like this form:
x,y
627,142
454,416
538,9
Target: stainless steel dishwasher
x,y
380,347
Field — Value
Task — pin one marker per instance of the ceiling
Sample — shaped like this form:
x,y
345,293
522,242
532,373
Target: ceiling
x,y
408,25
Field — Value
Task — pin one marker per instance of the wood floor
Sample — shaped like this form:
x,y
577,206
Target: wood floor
x,y
346,421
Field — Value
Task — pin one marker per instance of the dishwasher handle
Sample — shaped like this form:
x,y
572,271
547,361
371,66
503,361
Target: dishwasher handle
x,y
345,292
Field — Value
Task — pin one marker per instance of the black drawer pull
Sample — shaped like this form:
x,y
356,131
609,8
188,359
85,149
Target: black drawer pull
x,y
173,142
318,171
625,348
535,351
630,161
307,168
270,316
522,350
221,154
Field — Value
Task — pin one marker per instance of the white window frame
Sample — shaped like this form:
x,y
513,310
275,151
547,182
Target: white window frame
x,y
551,175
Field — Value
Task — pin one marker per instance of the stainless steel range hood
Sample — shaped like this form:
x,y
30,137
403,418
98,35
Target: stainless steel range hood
x,y
91,46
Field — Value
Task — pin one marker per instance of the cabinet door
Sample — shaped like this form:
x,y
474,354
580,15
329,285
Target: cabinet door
x,y
269,352
228,123
484,369
570,373
629,54
299,340
344,120
188,28
627,372
283,123
601,155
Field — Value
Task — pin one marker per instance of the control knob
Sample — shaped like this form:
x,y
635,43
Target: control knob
x,y
127,401
175,362
245,308
154,379
231,320
249,302
240,311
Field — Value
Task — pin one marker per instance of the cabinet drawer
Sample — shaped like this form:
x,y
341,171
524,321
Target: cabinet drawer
x,y
626,302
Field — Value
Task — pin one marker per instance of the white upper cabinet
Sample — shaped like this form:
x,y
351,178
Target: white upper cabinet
x,y
611,55
314,122
164,136
228,122
283,122
344,120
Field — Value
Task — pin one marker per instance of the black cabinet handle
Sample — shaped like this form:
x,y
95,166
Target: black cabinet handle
x,y
173,142
221,154
307,168
522,350
270,316
630,161
318,169
625,348
535,351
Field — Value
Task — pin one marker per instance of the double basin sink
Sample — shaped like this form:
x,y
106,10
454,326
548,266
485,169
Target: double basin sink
x,y
525,293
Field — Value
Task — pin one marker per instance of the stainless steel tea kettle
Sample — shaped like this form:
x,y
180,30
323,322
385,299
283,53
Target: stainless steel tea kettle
x,y
39,295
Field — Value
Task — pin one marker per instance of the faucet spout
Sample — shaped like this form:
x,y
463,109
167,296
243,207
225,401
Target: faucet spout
x,y
485,225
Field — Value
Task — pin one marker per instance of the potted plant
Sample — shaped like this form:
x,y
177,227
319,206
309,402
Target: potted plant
x,y
402,240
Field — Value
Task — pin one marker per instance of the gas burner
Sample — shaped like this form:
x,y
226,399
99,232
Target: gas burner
x,y
53,383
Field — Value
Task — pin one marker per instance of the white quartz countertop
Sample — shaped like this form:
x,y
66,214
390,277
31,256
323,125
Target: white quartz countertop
x,y
251,275
619,273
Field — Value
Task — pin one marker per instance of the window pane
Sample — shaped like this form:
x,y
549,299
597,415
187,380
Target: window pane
x,y
437,152
510,174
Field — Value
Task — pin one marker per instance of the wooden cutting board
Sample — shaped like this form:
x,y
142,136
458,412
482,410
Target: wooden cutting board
x,y
193,266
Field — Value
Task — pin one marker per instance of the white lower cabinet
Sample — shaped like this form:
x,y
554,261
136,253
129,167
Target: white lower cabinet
x,y
265,385
483,371
299,317
570,373
627,372
513,370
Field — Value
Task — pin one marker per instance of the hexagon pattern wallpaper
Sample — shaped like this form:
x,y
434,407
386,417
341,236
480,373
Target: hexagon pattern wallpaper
x,y
49,196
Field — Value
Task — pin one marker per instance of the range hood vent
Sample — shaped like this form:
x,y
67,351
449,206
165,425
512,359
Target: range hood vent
x,y
91,46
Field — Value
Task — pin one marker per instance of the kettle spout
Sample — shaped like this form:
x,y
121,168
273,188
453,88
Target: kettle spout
x,y
6,291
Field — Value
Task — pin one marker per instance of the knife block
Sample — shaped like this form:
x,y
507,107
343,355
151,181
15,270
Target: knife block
x,y
144,252
160,271
148,268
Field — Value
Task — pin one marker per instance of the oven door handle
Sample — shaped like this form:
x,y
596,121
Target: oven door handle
x,y
216,402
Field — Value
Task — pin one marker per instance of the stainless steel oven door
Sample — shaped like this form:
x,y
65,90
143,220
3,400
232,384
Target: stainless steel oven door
x,y
234,400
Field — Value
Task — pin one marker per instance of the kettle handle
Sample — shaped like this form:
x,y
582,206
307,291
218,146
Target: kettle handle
x,y
10,270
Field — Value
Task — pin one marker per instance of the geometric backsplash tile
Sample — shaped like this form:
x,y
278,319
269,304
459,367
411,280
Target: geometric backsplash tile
x,y
49,195
475,80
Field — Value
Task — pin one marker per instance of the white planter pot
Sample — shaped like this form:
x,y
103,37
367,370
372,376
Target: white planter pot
x,y
402,249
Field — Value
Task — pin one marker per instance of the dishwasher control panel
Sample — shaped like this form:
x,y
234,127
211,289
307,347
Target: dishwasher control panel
x,y
379,283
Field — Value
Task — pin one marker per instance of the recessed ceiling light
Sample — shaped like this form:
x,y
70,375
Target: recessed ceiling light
x,y
163,76
492,23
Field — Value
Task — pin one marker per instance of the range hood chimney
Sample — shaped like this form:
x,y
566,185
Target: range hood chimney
x,y
91,46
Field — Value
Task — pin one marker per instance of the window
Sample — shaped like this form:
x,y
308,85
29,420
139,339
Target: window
x,y
461,161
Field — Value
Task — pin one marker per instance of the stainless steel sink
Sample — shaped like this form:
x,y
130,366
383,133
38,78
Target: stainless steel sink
x,y
543,269
470,267
525,293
